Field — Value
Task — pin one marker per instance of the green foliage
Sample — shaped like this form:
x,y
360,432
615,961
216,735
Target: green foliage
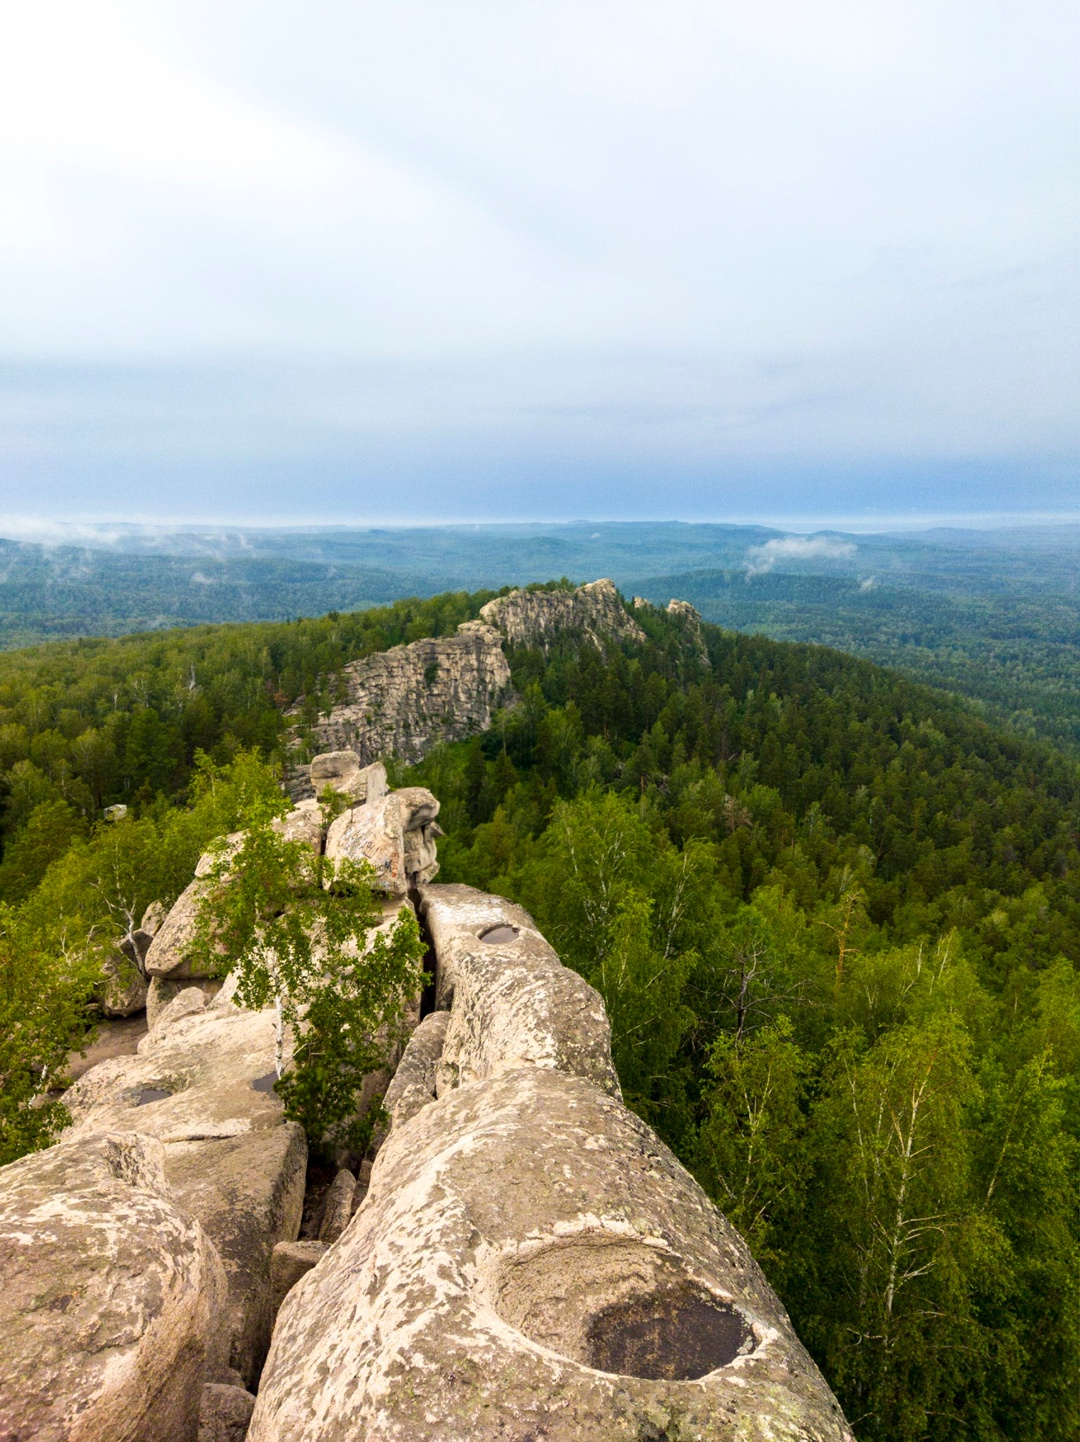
x,y
43,997
54,941
299,930
96,722
833,914
858,1021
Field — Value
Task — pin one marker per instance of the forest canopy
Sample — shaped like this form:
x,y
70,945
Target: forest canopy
x,y
833,914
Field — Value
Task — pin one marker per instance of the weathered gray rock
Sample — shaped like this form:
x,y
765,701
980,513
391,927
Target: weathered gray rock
x,y
344,772
124,987
391,833
224,1413
403,701
512,1001
337,1207
531,1261
167,955
232,1160
153,917
305,823
413,1085
159,993
535,618
187,1002
691,619
113,1297
289,1262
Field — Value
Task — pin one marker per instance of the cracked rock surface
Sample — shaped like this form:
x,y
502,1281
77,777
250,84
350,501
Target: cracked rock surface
x,y
231,1159
113,1298
530,1261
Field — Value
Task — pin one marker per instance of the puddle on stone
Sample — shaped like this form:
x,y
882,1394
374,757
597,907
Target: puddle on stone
x,y
497,934
265,1083
151,1094
671,1336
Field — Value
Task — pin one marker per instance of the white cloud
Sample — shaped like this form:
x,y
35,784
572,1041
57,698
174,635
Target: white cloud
x,y
704,229
760,559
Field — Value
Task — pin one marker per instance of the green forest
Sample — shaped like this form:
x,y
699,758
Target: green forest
x,y
834,916
1013,650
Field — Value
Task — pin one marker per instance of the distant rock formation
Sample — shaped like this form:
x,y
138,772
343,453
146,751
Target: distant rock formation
x,y
535,618
405,701
691,619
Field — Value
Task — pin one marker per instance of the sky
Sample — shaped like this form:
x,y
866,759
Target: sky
x,y
419,261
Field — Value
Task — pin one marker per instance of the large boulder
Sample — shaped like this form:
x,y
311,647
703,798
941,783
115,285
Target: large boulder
x,y
113,1297
512,1001
167,954
395,834
414,1083
344,773
124,988
530,1261
304,823
202,1083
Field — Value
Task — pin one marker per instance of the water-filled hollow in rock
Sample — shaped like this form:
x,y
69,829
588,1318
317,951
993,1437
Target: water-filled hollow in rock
x,y
620,1306
497,934
675,1335
151,1094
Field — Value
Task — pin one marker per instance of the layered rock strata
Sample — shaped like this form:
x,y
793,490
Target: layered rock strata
x,y
201,1084
535,618
404,701
113,1297
530,1261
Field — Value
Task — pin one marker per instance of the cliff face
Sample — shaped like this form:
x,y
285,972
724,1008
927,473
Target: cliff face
x,y
405,701
535,618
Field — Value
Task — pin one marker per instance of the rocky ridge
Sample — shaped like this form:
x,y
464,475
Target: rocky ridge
x,y
519,1256
404,701
530,1261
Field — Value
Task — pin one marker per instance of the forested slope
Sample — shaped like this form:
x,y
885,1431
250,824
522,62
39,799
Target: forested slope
x,y
834,916
1015,651
835,921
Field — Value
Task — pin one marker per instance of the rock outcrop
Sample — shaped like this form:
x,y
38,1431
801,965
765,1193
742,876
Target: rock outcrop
x,y
201,1083
535,618
113,1297
404,701
691,620
396,834
530,1261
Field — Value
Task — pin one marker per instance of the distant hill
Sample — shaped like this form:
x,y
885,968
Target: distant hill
x,y
1019,655
991,614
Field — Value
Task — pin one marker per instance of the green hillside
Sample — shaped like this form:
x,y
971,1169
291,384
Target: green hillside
x,y
1014,651
834,915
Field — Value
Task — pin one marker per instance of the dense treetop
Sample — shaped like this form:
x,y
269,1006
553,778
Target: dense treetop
x,y
834,916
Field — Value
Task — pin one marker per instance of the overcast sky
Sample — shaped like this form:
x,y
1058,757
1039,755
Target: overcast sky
x,y
451,259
